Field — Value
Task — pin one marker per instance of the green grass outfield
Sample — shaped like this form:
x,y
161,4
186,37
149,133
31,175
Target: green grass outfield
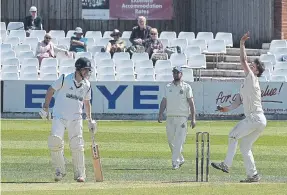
x,y
136,160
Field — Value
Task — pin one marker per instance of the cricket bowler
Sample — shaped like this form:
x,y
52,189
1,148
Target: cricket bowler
x,y
73,91
250,128
179,104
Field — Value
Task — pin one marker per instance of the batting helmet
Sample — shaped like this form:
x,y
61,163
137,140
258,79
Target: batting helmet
x,y
83,63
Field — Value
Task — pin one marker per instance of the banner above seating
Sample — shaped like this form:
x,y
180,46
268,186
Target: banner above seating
x,y
127,9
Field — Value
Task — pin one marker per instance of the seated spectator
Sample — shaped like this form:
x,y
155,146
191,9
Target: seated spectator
x,y
78,42
46,49
141,32
153,44
116,45
32,22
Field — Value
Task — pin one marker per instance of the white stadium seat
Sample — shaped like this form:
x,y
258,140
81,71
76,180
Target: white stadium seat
x,y
3,35
164,77
178,59
187,35
207,36
64,41
57,34
10,68
83,54
197,61
106,78
199,43
124,64
163,64
90,42
170,35
48,69
67,62
278,78
106,63
15,26
263,79
103,41
62,56
21,34
227,37
123,77
9,76
277,43
107,34
279,52
6,47
179,42
55,40
66,70
7,55
281,72
40,34
11,61
126,34
22,47
32,41
48,76
13,41
192,50
30,62
121,56
267,73
281,65
101,56
94,34
187,74
165,42
94,49
268,58
143,64
50,62
216,47
29,76
268,65
70,34
29,69
140,56
3,26
127,42
144,77
106,70
125,71
145,71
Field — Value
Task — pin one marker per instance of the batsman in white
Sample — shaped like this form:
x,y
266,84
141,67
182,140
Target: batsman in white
x,y
179,104
250,128
73,91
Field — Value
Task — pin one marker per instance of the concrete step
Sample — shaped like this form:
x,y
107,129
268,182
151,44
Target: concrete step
x,y
219,73
214,79
249,52
228,58
266,46
224,65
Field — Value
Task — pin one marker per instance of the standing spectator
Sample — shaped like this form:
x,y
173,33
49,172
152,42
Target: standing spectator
x,y
116,45
78,42
33,21
46,49
153,44
141,32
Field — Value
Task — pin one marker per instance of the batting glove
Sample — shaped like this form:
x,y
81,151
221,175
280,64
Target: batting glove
x,y
46,115
92,125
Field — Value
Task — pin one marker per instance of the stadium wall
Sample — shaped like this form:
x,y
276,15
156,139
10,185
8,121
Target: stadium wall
x,y
140,100
235,16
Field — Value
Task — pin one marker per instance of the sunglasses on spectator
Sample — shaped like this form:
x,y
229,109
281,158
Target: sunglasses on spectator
x,y
48,38
153,33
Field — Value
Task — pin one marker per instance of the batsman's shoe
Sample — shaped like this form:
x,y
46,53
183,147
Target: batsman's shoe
x,y
59,176
220,166
174,167
80,179
181,163
254,178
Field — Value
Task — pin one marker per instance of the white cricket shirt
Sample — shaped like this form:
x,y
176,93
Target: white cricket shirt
x,y
69,98
251,95
176,99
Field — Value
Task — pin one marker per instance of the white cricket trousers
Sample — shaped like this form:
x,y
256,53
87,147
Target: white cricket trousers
x,y
75,134
248,130
176,130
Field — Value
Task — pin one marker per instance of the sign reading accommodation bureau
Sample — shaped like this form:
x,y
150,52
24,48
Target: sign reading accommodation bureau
x,y
95,9
151,9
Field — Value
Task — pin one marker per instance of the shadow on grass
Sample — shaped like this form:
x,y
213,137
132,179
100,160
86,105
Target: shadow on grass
x,y
26,182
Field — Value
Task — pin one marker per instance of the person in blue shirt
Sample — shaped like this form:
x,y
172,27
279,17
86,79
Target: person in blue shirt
x,y
78,42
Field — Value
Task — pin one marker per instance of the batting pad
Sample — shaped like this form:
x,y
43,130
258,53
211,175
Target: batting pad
x,y
77,148
56,145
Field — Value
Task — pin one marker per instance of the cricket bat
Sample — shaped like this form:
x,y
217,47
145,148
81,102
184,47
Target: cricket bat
x,y
96,160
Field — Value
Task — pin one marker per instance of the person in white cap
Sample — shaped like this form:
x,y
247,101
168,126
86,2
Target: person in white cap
x,y
78,42
179,105
33,21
